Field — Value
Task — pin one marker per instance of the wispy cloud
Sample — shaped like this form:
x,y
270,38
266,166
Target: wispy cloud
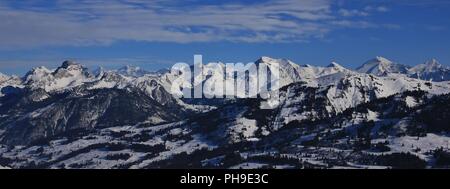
x,y
353,12
100,22
376,8
435,28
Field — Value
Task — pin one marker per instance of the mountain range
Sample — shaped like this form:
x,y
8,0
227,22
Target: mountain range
x,y
430,70
380,115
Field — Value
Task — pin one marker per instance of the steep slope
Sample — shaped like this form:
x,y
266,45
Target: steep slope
x,y
345,92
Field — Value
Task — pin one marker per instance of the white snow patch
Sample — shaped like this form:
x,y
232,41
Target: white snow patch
x,y
426,144
411,102
372,116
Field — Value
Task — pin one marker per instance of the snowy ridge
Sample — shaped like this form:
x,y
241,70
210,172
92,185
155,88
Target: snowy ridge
x,y
68,75
431,70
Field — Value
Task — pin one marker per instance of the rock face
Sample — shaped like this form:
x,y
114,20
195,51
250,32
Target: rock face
x,y
31,121
381,115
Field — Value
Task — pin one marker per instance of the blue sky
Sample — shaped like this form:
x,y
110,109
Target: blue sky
x,y
156,34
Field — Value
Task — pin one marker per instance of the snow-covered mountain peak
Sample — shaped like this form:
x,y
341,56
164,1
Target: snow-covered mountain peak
x,y
381,66
432,65
336,66
68,74
430,70
266,59
37,72
378,62
433,62
70,64
70,68
133,71
312,73
289,71
382,60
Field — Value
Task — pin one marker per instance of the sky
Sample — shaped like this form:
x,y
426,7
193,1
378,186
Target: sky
x,y
156,34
